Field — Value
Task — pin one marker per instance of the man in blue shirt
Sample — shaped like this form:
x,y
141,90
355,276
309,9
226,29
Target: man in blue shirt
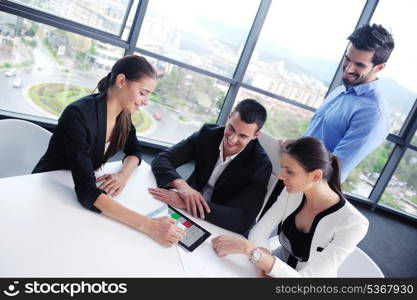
x,y
353,120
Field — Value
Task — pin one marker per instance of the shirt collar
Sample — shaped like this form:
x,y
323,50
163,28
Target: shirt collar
x,y
363,88
228,157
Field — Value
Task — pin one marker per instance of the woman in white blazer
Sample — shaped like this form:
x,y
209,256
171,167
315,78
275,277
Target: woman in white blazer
x,y
316,226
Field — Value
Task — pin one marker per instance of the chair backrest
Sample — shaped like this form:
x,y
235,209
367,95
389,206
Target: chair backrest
x,y
22,144
359,264
272,148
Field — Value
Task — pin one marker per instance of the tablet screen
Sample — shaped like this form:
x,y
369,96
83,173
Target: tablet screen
x,y
195,234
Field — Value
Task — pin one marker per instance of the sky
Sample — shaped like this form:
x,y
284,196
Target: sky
x,y
313,28
309,28
399,17
286,21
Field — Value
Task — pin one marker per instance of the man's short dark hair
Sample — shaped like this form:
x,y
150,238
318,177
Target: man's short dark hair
x,y
373,38
251,111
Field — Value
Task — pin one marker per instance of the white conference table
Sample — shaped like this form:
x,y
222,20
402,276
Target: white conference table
x,y
45,232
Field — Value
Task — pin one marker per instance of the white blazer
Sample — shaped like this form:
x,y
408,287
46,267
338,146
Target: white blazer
x,y
336,235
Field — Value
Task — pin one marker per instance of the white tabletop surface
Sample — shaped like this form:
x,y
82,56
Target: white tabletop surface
x,y
45,232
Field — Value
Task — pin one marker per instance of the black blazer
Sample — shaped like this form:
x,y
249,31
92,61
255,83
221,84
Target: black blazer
x,y
239,191
77,144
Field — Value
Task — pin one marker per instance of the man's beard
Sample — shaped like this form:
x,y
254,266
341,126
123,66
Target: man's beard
x,y
358,80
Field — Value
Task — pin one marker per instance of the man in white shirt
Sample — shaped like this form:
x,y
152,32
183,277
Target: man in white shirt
x,y
231,172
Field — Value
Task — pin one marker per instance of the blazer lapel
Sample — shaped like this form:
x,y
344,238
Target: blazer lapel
x,y
210,161
101,128
235,167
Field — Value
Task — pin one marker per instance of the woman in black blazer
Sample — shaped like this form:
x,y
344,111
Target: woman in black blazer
x,y
93,129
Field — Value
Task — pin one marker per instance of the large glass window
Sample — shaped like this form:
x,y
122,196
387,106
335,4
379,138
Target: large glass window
x,y
43,68
107,15
181,103
399,82
362,179
283,120
207,34
299,48
401,193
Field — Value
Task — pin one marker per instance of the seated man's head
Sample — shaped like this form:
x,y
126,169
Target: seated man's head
x,y
243,125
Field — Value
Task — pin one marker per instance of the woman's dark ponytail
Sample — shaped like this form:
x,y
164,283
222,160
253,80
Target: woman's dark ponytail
x,y
334,180
119,135
105,83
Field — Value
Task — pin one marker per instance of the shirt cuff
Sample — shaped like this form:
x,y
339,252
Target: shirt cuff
x,y
281,269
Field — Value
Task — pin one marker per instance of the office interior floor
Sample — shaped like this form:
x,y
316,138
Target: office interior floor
x,y
391,240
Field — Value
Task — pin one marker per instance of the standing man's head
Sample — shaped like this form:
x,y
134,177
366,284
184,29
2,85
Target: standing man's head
x,y
243,125
368,51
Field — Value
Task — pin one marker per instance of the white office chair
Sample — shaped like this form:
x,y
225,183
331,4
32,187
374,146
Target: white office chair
x,y
22,144
359,264
272,148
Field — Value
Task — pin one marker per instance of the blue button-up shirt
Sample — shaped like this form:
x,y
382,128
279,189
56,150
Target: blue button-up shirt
x,y
351,123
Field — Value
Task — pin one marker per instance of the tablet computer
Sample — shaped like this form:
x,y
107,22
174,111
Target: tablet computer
x,y
195,234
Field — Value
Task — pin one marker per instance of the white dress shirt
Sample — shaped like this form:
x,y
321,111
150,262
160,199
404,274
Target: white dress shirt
x,y
220,166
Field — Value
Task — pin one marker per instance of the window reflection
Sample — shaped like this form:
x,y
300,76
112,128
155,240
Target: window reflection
x,y
207,34
399,82
103,15
45,68
283,120
181,103
362,179
298,51
401,192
